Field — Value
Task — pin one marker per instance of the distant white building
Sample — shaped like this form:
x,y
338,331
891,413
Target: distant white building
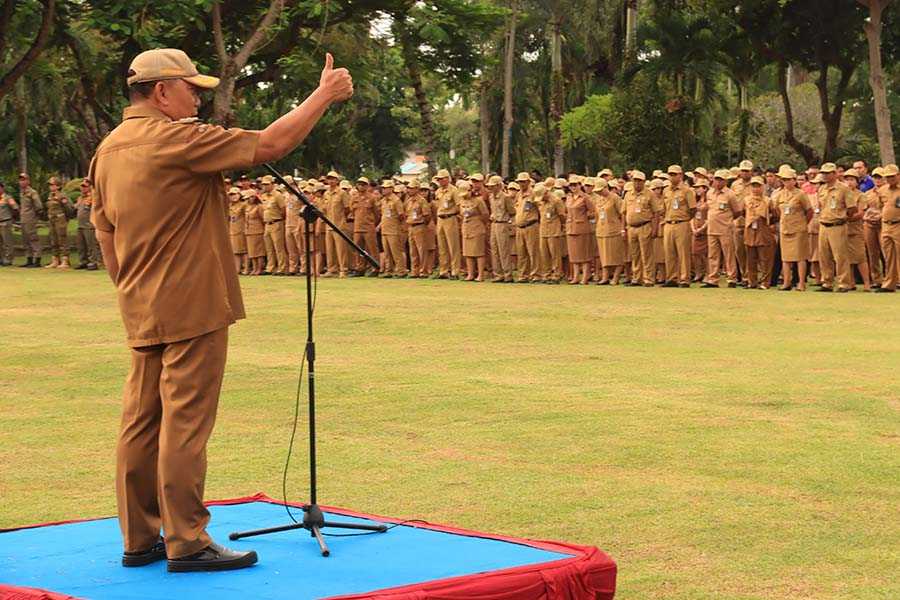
x,y
414,166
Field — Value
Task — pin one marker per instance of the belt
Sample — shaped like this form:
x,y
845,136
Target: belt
x,y
415,224
838,224
526,225
891,222
273,222
676,222
644,224
500,222
456,214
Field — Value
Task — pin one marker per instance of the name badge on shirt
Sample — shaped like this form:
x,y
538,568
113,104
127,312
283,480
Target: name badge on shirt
x,y
721,206
637,210
603,215
755,225
676,204
817,210
528,205
468,213
415,214
833,203
446,204
387,213
549,215
787,210
897,202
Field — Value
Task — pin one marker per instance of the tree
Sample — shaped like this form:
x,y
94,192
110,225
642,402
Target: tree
x,y
509,64
873,27
9,77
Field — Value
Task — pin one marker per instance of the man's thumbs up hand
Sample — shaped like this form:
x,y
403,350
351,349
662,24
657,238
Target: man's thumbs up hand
x,y
336,82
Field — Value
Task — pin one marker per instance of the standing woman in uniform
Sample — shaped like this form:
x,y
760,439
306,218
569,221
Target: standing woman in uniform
x,y
758,235
475,216
699,230
795,214
578,231
552,212
659,253
610,243
813,230
236,228
254,228
856,242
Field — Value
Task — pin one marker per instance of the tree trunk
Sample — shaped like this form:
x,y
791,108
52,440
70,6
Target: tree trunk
x,y
484,114
509,65
744,119
831,118
631,23
415,78
9,79
556,96
876,80
223,95
21,108
809,155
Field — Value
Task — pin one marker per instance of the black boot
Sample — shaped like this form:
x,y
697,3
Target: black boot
x,y
28,261
36,262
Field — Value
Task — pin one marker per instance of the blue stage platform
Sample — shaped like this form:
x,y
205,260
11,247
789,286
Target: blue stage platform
x,y
81,559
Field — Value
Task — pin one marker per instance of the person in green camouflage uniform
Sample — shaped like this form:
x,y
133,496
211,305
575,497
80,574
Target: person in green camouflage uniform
x,y
8,207
58,207
30,206
88,250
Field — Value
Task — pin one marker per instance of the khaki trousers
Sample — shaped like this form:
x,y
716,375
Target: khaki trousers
x,y
890,247
337,254
366,240
759,264
394,256
834,255
528,247
552,258
88,249
677,245
721,247
418,249
30,239
6,241
501,249
872,236
276,259
293,243
643,261
449,257
168,412
740,250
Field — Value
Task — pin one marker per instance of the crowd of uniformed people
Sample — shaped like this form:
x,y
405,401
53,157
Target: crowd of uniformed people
x,y
740,227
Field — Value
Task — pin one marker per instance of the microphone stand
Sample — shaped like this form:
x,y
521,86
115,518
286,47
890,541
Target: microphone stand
x,y
313,518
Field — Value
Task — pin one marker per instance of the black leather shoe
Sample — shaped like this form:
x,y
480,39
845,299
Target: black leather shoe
x,y
706,285
139,559
212,558
684,285
670,284
883,290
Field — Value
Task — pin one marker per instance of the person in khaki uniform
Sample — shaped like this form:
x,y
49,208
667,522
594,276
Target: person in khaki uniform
x,y
680,203
856,242
30,207
237,229
741,188
418,215
723,208
838,205
889,204
657,188
579,234
813,229
475,218
159,208
794,213
293,223
58,208
502,207
642,211
88,250
8,208
274,206
336,208
610,210
447,199
254,230
552,211
393,214
364,206
528,239
699,232
872,228
758,235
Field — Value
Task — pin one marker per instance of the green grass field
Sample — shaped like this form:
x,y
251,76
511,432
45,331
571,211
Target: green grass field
x,y
718,444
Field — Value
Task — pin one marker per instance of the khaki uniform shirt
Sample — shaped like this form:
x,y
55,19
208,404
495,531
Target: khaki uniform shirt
x,y
793,207
577,214
158,191
741,189
678,202
253,220
274,206
447,200
30,205
526,209
722,206
889,203
83,212
870,203
364,208
418,210
292,209
553,215
610,215
475,215
855,225
392,214
337,206
236,218
759,216
817,210
503,207
835,200
641,207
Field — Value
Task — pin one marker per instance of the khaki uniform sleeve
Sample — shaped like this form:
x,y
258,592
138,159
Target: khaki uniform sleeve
x,y
212,149
98,213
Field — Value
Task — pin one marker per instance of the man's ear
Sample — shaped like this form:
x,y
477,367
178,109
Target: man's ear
x,y
161,93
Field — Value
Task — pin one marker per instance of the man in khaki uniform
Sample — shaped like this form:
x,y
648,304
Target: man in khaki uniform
x,y
552,211
447,199
393,214
274,206
856,242
418,215
889,203
8,207
58,208
528,239
30,207
88,250
741,189
723,208
293,223
502,207
679,204
758,235
364,206
337,209
159,210
872,227
838,205
642,212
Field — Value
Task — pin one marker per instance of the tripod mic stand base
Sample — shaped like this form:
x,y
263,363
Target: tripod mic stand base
x,y
313,521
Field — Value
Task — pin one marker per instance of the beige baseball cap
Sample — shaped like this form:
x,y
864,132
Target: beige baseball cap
x,y
757,180
745,165
234,190
167,63
333,174
443,174
890,170
851,173
364,180
523,176
786,172
476,177
495,180
674,169
638,175
267,179
828,167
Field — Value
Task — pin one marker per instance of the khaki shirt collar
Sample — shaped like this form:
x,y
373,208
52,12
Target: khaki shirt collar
x,y
143,111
